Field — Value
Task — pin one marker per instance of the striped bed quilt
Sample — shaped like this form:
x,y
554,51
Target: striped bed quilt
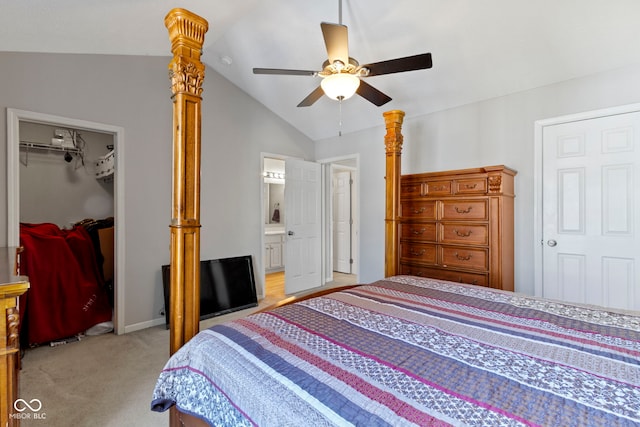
x,y
411,351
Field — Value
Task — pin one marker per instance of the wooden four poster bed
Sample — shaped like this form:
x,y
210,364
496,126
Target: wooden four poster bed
x,y
404,350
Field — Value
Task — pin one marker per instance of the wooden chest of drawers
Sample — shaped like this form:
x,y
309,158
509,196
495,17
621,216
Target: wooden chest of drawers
x,y
458,225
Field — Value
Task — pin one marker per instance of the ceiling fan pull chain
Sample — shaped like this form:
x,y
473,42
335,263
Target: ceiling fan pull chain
x,y
340,12
340,118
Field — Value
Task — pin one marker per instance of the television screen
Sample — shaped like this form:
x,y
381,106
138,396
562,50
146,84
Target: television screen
x,y
226,285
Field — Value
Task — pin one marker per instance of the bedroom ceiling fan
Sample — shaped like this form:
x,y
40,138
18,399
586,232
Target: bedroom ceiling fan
x,y
342,75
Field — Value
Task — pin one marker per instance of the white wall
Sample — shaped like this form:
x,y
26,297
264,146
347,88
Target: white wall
x,y
493,132
134,93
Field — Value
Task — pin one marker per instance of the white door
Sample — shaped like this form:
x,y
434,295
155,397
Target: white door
x,y
302,226
342,221
591,211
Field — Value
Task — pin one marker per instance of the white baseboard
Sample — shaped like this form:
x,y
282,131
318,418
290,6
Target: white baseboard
x,y
144,325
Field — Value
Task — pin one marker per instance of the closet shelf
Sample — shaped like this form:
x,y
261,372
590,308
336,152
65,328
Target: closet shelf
x,y
105,166
49,147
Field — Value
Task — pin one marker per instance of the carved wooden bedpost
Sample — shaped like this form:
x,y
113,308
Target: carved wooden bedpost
x,y
186,32
393,142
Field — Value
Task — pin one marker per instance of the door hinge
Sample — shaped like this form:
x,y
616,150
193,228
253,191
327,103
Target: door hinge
x,y
350,260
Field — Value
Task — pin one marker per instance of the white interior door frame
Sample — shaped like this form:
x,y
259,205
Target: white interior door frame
x,y
539,126
327,194
14,117
260,265
342,218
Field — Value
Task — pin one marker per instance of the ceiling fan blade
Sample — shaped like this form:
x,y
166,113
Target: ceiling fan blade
x,y
372,94
284,72
399,65
336,40
312,97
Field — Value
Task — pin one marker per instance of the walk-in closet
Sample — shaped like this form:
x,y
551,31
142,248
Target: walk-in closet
x,y
66,213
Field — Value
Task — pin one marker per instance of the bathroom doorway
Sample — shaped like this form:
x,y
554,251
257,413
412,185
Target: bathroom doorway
x,y
333,195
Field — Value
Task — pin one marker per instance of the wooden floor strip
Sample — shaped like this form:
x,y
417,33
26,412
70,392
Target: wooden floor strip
x,y
274,283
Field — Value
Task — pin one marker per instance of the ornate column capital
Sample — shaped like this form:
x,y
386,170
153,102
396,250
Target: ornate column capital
x,y
393,139
186,33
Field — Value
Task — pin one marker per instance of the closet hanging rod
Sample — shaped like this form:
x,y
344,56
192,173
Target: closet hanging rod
x,y
49,147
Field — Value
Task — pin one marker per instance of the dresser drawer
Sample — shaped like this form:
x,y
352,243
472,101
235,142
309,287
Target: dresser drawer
x,y
464,233
470,186
465,209
438,188
465,257
418,231
480,279
420,252
418,209
411,189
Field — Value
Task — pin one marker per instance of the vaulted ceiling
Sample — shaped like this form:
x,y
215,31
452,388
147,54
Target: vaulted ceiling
x,y
481,48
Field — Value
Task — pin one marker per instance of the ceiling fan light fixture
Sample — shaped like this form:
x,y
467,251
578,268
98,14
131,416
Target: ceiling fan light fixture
x,y
340,86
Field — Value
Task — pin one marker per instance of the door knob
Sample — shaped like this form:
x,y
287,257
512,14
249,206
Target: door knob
x,y
552,243
290,233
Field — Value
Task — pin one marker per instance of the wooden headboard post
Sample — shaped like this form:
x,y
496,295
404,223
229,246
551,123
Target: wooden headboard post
x,y
186,33
393,142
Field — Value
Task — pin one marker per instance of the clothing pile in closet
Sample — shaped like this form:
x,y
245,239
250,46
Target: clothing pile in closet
x,y
67,295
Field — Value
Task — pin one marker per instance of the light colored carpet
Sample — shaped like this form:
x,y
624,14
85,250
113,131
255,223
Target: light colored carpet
x,y
102,380
106,380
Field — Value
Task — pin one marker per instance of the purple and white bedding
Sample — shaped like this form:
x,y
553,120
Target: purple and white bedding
x,y
412,351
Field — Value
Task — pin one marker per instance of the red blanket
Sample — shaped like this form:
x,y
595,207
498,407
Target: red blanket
x,y
67,295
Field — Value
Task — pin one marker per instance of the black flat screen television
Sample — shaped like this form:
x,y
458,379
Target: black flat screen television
x,y
226,285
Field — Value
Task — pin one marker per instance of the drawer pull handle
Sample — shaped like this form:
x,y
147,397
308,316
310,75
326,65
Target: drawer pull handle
x,y
463,257
418,232
418,211
463,211
416,253
470,186
462,233
439,187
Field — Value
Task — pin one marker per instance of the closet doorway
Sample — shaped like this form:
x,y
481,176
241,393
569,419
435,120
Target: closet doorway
x,y
586,203
343,216
70,149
